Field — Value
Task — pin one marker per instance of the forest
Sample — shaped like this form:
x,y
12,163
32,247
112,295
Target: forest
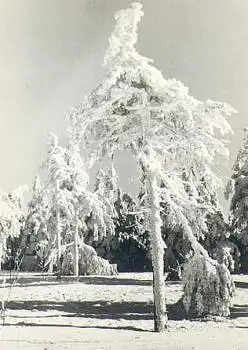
x,y
78,224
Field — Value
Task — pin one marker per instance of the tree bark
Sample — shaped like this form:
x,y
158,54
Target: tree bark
x,y
157,250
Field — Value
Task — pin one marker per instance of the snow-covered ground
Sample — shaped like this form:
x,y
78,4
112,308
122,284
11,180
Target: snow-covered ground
x,y
109,313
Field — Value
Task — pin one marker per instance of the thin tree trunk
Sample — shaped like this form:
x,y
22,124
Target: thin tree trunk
x,y
58,228
1,254
76,256
157,250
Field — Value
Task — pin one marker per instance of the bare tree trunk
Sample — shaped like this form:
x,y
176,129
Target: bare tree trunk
x,y
157,247
58,228
76,256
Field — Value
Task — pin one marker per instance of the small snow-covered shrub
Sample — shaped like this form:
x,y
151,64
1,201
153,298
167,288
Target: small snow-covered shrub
x,y
89,262
208,287
92,264
100,266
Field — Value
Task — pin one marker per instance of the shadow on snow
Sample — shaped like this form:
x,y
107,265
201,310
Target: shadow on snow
x,y
239,284
239,311
30,324
101,309
88,309
52,280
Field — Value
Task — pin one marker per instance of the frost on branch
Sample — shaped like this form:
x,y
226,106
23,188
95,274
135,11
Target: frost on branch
x,y
208,287
61,206
135,108
124,36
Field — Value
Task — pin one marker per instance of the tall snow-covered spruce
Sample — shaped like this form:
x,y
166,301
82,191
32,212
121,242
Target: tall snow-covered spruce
x,y
166,129
60,207
237,189
34,238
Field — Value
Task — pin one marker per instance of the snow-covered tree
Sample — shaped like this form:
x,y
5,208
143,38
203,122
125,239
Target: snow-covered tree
x,y
132,242
35,219
129,246
128,238
38,237
61,206
207,287
106,189
11,218
106,184
211,228
237,189
60,202
166,129
87,205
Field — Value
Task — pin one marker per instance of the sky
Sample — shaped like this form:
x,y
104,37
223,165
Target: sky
x,y
52,52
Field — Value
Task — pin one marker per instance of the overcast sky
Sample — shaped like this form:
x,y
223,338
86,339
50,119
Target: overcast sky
x,y
51,55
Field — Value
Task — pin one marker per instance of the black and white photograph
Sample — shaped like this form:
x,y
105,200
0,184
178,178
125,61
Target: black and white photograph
x,y
124,175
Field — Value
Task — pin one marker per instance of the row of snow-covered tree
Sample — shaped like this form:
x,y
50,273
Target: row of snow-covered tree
x,y
174,139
